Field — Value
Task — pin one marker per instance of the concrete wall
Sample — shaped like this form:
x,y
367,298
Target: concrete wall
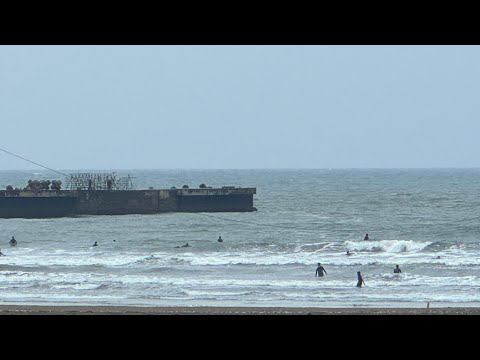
x,y
37,207
117,202
215,191
216,203
45,193
113,202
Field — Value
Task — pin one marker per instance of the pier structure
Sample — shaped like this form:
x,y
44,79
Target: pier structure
x,y
107,194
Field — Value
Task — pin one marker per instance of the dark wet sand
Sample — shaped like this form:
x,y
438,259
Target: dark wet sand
x,y
131,310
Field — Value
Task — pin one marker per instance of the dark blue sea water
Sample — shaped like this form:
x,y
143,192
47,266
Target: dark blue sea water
x,y
426,221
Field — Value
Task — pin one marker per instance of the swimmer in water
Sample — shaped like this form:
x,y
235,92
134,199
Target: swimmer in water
x,y
183,246
397,270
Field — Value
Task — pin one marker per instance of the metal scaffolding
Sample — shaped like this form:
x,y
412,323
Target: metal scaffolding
x,y
99,181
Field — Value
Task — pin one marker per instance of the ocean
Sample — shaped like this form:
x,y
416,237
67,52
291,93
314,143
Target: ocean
x,y
424,220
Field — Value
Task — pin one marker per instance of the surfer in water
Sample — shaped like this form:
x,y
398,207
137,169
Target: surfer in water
x,y
183,246
366,237
360,279
95,244
13,242
2,254
220,239
397,270
349,253
320,271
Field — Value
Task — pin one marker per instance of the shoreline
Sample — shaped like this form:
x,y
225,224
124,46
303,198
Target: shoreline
x,y
216,310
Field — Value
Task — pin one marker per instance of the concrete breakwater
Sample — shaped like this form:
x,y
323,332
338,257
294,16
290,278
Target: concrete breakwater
x,y
50,203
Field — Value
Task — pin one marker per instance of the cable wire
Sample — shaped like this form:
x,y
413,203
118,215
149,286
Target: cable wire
x,y
33,162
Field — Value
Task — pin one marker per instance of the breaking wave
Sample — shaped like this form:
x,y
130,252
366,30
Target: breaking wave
x,y
390,246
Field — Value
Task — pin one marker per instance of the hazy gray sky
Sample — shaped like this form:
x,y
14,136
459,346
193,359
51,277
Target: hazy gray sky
x,y
234,107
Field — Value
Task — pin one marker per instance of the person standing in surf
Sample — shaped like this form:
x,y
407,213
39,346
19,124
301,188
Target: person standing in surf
x,y
360,279
366,237
320,271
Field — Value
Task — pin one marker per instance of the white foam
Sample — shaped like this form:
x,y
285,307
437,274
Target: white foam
x,y
391,246
80,258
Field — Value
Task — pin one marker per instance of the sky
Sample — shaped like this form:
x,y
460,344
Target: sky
x,y
239,107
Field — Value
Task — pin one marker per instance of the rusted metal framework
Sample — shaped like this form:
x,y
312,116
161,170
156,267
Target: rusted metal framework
x,y
98,181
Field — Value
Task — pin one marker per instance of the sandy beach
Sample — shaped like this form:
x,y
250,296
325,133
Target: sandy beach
x,y
131,310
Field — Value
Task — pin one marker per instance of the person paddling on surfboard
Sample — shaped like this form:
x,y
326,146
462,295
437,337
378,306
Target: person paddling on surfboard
x,y
186,245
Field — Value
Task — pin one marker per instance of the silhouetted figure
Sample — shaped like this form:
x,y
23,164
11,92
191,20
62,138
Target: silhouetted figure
x,y
2,254
220,239
95,244
183,246
114,240
366,237
397,270
349,253
13,242
186,245
360,279
320,270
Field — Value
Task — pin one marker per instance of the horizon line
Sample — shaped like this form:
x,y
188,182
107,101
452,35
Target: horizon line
x,y
278,168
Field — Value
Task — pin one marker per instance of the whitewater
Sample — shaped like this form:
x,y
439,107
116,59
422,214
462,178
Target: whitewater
x,y
424,220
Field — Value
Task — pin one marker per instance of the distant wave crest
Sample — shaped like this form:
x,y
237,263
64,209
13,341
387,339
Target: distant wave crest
x,y
391,246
